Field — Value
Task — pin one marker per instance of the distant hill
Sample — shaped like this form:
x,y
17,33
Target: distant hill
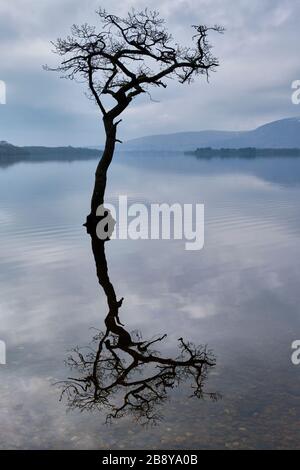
x,y
7,149
10,154
284,133
37,152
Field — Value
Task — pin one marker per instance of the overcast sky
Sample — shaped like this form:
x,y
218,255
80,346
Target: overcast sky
x,y
259,57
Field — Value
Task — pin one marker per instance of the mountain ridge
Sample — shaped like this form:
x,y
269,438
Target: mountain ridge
x,y
282,133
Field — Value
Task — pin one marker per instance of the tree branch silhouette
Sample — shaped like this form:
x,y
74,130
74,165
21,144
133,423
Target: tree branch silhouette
x,y
122,61
122,374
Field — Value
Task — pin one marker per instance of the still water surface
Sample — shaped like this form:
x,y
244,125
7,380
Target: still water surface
x,y
239,295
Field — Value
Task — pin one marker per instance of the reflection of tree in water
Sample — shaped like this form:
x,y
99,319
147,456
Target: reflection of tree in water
x,y
124,375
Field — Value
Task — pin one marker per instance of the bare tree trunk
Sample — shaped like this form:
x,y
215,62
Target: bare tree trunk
x,y
103,165
101,173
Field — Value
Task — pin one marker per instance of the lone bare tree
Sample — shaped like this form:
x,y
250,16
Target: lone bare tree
x,y
121,61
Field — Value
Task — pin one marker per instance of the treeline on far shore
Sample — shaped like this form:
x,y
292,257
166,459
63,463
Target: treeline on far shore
x,y
245,152
10,154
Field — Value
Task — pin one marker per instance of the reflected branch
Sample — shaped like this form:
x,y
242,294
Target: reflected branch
x,y
123,375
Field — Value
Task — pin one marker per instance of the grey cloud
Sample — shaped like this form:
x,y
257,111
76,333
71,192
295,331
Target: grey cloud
x,y
258,56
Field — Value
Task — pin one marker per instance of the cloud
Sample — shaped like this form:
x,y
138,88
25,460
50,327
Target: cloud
x,y
258,56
